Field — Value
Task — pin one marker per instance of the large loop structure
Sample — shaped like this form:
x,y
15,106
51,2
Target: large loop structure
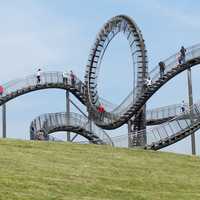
x,y
126,26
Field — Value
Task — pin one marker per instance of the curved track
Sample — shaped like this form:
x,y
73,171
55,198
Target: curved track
x,y
160,115
137,98
53,122
140,94
126,26
175,129
28,84
131,106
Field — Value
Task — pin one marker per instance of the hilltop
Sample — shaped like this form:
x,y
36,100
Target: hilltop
x,y
31,170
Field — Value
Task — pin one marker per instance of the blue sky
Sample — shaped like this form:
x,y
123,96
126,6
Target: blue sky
x,y
57,35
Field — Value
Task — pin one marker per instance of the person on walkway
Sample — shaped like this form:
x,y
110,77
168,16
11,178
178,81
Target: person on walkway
x,y
162,68
183,51
79,85
65,78
72,77
183,106
101,110
39,71
148,81
1,90
179,57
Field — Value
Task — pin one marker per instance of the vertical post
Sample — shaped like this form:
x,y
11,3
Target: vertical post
x,y
134,126
129,134
4,120
90,123
68,112
189,77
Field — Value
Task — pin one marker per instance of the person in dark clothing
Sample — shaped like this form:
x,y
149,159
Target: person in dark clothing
x,y
183,51
72,76
162,68
39,76
183,106
178,57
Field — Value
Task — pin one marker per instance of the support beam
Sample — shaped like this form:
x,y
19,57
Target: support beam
x,y
88,117
74,138
139,122
77,108
190,96
135,126
68,113
4,120
90,123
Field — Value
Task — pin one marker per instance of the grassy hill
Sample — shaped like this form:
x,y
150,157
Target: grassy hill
x,y
57,171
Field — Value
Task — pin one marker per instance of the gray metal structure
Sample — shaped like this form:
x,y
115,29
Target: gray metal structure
x,y
45,124
68,111
132,109
189,77
4,120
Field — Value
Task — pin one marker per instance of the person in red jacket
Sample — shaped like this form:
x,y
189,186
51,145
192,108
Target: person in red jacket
x,y
1,90
101,110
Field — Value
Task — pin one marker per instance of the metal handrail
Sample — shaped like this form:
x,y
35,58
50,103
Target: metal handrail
x,y
53,79
51,121
171,63
161,134
179,124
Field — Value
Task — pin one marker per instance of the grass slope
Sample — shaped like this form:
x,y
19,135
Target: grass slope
x,y
47,171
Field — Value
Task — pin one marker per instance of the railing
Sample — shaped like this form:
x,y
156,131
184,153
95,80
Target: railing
x,y
155,114
173,127
51,121
107,104
131,99
46,78
57,78
164,112
56,139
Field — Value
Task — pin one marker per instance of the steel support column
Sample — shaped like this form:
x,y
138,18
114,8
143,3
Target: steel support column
x,y
90,122
190,96
136,125
68,112
4,120
78,108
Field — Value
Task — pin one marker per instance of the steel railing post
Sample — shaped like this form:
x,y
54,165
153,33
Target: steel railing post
x,y
68,113
189,78
4,120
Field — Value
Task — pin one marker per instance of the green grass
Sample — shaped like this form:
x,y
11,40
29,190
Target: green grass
x,y
47,171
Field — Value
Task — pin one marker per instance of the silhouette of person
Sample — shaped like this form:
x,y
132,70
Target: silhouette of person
x,y
183,51
162,68
39,75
